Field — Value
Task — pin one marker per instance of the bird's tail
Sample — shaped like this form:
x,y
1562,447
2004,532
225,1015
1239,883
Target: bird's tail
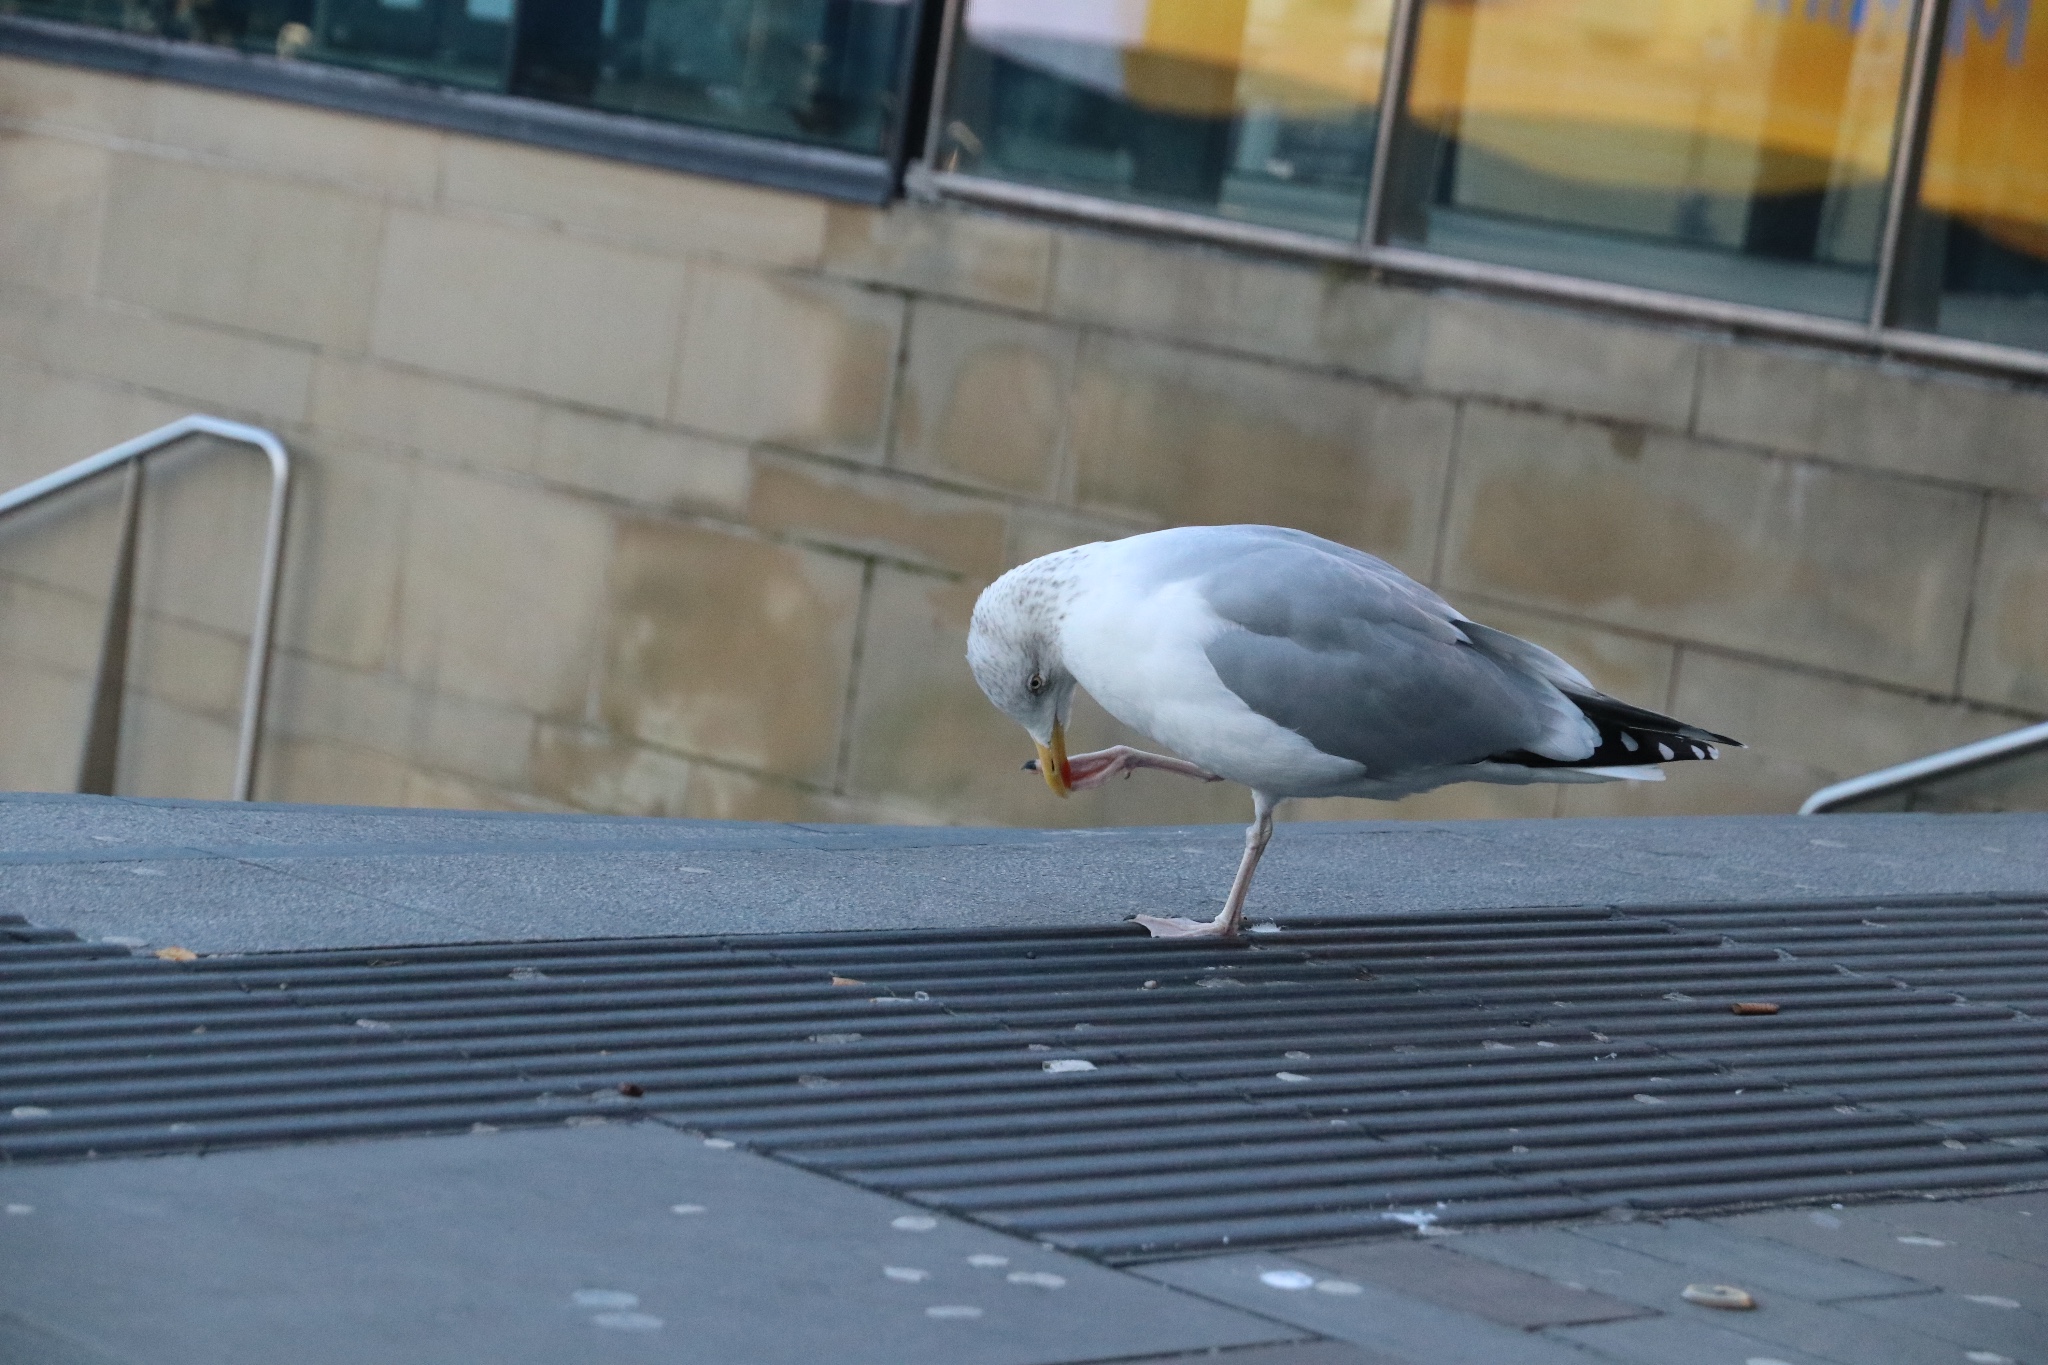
x,y
1629,737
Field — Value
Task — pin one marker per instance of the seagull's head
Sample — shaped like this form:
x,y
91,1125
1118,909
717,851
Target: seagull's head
x,y
1013,647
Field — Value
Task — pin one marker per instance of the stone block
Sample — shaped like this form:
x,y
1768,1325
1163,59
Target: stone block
x,y
168,752
1951,427
647,466
802,362
529,310
876,514
1179,437
71,100
1776,396
1205,295
49,420
1803,731
191,365
925,738
47,627
441,792
446,420
254,252
325,773
42,757
1377,329
344,542
382,157
635,206
1811,564
2007,658
983,398
1560,360
66,544
724,794
729,648
197,670
313,700
947,250
501,592
592,770
55,192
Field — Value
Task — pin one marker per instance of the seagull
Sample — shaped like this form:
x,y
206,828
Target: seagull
x,y
1298,667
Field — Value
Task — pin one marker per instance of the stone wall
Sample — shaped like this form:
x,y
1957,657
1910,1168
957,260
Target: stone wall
x,y
627,491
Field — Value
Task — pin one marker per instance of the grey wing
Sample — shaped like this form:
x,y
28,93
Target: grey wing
x,y
1369,665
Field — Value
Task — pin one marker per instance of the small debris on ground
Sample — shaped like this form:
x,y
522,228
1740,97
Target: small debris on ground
x,y
630,1090
176,954
847,981
1717,1296
1753,1007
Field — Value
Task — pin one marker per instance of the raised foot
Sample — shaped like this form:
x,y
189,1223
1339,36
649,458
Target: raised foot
x,y
1177,927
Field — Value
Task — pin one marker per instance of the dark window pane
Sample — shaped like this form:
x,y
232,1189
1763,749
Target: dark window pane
x,y
825,71
1976,255
456,42
1259,110
1730,148
814,70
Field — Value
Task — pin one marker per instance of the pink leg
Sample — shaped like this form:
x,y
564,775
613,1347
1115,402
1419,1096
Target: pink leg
x,y
1231,920
1092,770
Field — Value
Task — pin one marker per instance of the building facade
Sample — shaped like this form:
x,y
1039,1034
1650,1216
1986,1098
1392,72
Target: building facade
x,y
628,486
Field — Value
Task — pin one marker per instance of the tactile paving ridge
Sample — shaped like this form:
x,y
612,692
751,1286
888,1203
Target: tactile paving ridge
x,y
1114,1094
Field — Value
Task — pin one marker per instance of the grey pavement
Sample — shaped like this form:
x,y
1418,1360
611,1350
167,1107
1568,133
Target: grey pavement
x,y
216,877
564,1244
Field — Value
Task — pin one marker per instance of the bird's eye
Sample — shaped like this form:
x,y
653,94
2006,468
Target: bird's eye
x,y
1036,685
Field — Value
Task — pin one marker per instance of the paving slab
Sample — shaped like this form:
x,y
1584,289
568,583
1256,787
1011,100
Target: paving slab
x,y
2011,1226
1878,1240
1784,1326
1727,1256
543,1247
1293,1353
1984,1323
1466,1284
1685,1341
1369,1315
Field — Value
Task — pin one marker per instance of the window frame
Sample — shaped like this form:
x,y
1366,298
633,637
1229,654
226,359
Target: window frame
x,y
1371,250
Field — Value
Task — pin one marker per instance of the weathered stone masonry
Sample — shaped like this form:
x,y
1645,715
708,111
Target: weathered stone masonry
x,y
629,491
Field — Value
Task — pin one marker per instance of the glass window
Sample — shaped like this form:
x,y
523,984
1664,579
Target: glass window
x,y
823,71
1260,110
1975,259
809,70
1736,149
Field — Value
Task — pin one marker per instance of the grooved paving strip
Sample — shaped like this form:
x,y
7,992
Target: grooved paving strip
x,y
1111,1093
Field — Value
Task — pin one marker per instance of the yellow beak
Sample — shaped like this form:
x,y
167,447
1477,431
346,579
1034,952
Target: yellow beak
x,y
1052,761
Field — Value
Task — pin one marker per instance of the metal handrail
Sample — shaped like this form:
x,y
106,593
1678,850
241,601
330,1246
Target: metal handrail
x,y
97,766
1948,763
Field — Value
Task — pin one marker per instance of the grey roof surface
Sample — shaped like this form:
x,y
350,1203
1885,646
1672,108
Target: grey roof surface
x,y
476,1246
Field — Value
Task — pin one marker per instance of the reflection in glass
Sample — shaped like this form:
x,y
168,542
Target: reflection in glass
x,y
1260,110
1730,148
810,70
1976,254
825,71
